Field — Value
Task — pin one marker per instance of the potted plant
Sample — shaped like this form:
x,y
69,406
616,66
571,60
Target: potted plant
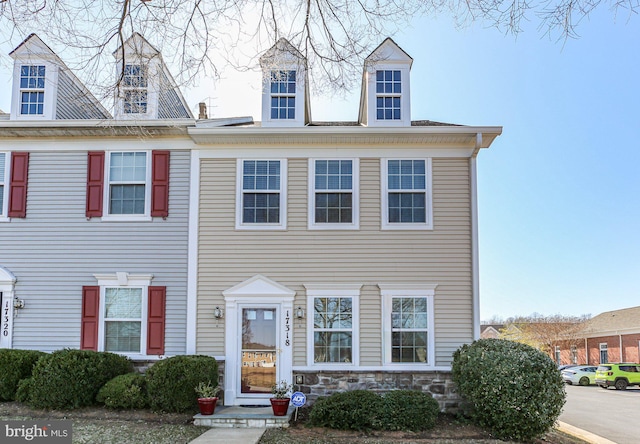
x,y
280,400
207,397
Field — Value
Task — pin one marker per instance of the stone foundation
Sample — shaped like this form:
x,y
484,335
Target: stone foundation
x,y
324,383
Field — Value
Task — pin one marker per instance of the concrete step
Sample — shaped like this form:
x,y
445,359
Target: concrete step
x,y
243,417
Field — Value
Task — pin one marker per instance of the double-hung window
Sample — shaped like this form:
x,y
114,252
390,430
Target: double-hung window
x,y
123,319
261,202
333,194
283,95
128,190
406,194
408,324
388,94
333,324
134,87
4,174
32,79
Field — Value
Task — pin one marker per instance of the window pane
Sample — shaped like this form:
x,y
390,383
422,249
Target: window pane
x,y
332,347
123,303
127,199
334,208
261,208
333,313
261,175
128,167
122,336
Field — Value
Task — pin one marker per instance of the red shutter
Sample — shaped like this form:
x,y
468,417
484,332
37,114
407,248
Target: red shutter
x,y
160,184
95,183
90,317
155,320
18,185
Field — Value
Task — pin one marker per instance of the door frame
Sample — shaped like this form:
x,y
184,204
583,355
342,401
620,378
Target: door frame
x,y
261,292
7,284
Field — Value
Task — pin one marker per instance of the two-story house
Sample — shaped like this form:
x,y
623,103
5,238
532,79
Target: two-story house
x,y
94,209
335,255
345,251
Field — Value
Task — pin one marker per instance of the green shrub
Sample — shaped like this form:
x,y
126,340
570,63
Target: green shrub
x,y
171,382
14,366
515,390
353,410
24,388
68,379
409,410
127,391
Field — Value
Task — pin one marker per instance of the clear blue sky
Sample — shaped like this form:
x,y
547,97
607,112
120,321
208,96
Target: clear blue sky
x,y
559,191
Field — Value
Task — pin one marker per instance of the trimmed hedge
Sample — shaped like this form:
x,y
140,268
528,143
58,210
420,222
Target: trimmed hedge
x,y
353,410
127,391
171,382
516,391
364,410
409,410
15,365
69,379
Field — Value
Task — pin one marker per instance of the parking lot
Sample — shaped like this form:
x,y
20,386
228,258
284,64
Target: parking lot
x,y
612,414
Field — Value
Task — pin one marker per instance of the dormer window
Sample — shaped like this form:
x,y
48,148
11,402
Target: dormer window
x,y
388,94
283,94
385,98
134,88
32,89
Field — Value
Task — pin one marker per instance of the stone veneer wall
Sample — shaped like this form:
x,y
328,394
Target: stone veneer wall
x,y
324,383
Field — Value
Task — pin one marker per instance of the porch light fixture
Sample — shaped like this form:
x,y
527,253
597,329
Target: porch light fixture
x,y
299,313
217,313
18,303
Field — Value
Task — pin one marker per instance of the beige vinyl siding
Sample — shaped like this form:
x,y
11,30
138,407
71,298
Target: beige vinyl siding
x,y
55,251
367,256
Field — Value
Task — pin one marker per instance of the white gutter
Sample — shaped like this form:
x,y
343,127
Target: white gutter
x,y
475,256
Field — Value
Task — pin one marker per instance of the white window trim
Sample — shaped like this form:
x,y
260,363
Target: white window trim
x,y
355,198
334,290
384,197
405,95
50,90
106,198
124,280
5,190
299,95
153,69
282,225
387,293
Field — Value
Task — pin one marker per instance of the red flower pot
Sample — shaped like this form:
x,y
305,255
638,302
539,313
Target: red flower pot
x,y
207,405
279,406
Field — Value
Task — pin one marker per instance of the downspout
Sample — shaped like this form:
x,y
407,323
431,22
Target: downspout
x,y
475,259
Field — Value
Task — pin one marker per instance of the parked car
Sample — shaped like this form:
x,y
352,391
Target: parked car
x,y
619,375
566,366
579,375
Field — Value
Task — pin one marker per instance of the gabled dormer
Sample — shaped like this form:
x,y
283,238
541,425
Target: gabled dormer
x,y
285,90
145,88
385,96
44,88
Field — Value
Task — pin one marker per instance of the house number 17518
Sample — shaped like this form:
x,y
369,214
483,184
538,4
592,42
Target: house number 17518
x,y
287,329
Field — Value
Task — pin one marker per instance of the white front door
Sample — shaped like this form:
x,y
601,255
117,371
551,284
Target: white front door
x,y
258,348
258,340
